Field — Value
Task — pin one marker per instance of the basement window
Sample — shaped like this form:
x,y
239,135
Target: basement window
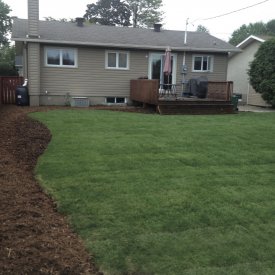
x,y
61,57
116,100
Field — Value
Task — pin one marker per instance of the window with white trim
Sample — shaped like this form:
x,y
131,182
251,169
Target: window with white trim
x,y
117,60
202,63
115,100
61,57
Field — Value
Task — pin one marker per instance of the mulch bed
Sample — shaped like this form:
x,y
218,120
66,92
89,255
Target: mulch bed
x,y
34,237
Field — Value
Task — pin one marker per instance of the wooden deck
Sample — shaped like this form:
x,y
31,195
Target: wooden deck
x,y
218,100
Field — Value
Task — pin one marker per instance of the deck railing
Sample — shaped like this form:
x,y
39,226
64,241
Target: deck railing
x,y
148,91
220,90
145,91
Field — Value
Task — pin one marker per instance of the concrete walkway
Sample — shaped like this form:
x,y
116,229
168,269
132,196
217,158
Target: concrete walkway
x,y
249,108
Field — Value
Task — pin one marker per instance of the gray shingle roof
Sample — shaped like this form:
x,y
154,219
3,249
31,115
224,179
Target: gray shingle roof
x,y
121,37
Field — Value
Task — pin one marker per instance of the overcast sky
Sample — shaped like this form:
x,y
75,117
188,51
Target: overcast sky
x,y
176,13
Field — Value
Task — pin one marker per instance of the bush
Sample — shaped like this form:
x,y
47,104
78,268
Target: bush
x,y
7,61
262,71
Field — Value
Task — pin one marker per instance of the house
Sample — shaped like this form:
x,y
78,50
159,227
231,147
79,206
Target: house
x,y
94,61
238,66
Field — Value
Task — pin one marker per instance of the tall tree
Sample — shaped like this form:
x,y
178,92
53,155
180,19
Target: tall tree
x,y
270,26
258,28
108,12
202,28
145,12
261,71
7,61
5,23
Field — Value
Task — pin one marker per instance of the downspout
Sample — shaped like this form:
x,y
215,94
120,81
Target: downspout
x,y
248,90
25,58
184,67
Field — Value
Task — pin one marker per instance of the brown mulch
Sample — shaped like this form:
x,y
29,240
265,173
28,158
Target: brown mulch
x,y
34,237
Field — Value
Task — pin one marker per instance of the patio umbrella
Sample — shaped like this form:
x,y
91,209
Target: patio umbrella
x,y
167,68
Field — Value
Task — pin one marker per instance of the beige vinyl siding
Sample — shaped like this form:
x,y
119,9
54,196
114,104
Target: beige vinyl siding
x,y
218,74
255,98
237,69
33,68
219,67
91,78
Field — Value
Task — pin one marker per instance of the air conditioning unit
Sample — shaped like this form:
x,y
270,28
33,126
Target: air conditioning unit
x,y
80,101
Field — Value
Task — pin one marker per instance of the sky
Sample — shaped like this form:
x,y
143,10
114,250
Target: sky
x,y
176,13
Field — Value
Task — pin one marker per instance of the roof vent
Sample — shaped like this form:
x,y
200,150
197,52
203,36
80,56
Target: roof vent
x,y
157,27
79,21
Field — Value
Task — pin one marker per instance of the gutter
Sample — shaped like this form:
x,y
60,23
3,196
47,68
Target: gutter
x,y
125,46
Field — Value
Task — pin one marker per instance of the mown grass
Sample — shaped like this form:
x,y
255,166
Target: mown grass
x,y
154,194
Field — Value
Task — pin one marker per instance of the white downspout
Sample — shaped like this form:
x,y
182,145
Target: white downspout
x,y
247,96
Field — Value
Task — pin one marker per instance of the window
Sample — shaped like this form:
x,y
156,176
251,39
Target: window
x,y
60,57
115,100
202,63
117,60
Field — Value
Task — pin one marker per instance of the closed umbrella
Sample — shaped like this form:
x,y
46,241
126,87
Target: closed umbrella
x,y
167,68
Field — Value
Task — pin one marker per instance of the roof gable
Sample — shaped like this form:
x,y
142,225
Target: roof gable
x,y
249,40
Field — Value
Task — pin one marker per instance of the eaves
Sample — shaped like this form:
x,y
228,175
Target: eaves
x,y
185,48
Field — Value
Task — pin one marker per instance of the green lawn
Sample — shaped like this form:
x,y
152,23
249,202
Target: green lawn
x,y
155,194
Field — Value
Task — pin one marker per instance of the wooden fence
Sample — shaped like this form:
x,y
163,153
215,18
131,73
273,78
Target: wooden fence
x,y
8,86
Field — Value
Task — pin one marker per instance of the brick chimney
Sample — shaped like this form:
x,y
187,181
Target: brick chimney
x,y
33,16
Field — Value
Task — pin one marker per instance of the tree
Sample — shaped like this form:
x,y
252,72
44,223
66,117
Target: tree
x,y
7,61
5,23
270,26
202,28
145,12
258,28
262,71
49,18
109,12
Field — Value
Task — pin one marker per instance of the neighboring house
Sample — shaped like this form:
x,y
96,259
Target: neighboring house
x,y
238,66
98,62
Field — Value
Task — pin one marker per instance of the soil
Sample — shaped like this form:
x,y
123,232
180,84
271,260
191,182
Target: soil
x,y
34,237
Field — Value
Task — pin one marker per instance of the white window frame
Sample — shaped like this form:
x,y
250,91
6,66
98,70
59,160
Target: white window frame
x,y
60,57
210,63
115,98
117,60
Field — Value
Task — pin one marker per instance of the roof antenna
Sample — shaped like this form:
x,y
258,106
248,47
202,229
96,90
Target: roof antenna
x,y
185,34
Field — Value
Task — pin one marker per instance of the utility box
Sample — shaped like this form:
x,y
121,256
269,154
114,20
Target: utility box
x,y
22,96
80,101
